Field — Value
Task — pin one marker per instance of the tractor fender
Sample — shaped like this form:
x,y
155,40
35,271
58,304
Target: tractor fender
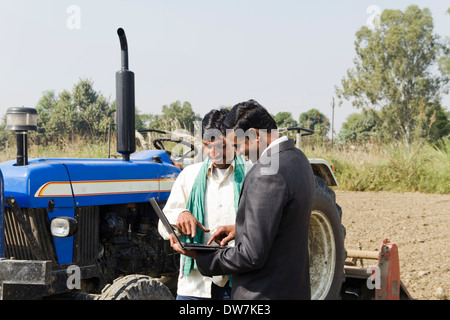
x,y
322,169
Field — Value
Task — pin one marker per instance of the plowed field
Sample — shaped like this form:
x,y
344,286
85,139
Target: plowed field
x,y
418,223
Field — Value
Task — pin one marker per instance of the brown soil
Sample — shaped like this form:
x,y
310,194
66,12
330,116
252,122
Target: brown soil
x,y
418,223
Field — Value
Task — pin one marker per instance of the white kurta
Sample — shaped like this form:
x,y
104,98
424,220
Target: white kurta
x,y
219,211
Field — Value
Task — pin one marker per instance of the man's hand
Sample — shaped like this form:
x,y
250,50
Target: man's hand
x,y
187,224
223,235
176,246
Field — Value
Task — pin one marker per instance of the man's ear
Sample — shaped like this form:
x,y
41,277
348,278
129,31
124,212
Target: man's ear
x,y
254,133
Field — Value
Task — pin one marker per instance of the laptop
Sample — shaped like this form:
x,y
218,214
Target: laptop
x,y
185,246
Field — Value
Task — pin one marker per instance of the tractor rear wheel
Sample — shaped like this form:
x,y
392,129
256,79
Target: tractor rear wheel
x,y
326,244
135,287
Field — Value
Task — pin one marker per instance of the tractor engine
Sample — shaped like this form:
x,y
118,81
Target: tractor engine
x,y
129,242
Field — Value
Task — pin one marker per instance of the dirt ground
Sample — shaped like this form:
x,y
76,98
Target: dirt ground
x,y
418,223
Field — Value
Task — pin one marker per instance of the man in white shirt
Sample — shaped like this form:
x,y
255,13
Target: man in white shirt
x,y
221,175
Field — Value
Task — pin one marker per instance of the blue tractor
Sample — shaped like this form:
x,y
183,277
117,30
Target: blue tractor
x,y
76,225
85,229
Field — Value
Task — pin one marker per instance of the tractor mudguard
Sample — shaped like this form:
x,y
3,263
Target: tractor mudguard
x,y
322,169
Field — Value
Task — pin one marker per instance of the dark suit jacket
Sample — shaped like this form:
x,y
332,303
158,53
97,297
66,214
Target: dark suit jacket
x,y
270,259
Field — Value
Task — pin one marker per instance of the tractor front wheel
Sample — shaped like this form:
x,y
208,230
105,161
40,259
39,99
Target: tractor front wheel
x,y
135,287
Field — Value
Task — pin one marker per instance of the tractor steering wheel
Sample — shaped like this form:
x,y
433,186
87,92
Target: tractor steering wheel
x,y
158,143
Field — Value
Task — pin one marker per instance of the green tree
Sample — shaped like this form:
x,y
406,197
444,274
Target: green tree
x,y
179,116
45,107
348,130
56,122
174,116
94,110
394,68
441,126
142,119
82,112
315,120
444,61
360,127
432,123
284,120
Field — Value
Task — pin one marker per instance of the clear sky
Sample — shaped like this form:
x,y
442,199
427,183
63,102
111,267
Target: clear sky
x,y
286,54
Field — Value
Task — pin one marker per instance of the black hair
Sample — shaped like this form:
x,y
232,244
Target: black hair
x,y
249,114
212,124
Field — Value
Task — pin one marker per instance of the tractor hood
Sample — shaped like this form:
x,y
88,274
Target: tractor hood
x,y
87,182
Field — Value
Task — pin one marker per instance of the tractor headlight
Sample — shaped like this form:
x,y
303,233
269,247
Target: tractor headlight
x,y
21,119
63,227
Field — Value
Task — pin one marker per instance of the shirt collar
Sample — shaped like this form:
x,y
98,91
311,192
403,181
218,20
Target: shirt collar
x,y
275,142
210,168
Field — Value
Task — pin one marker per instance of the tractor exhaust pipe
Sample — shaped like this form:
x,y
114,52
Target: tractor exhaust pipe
x,y
123,47
125,108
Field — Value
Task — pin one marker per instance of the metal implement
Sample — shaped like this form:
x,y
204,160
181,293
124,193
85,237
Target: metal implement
x,y
378,282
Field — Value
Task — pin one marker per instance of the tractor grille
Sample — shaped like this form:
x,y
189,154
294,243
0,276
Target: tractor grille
x,y
17,245
86,239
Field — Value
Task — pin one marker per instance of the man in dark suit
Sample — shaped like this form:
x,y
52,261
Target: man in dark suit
x,y
270,258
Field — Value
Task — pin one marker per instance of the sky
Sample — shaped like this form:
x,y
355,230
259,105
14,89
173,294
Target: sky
x,y
288,54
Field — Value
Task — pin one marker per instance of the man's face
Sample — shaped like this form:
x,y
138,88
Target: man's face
x,y
245,143
219,151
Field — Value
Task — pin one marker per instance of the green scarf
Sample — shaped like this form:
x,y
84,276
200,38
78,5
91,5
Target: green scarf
x,y
196,203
